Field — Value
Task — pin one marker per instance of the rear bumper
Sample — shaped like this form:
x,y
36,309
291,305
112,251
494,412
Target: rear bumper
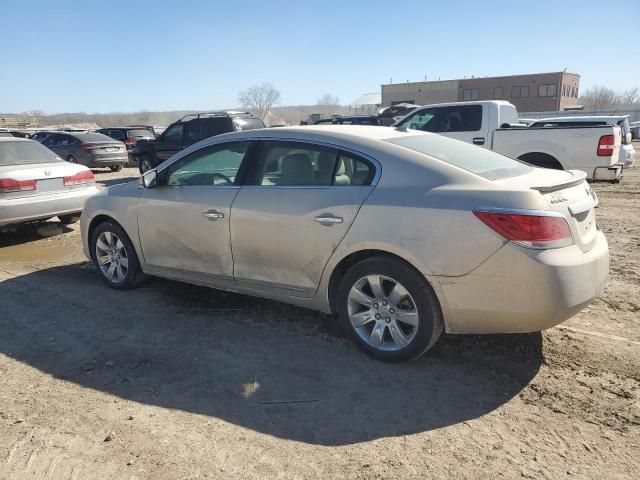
x,y
612,173
28,209
523,290
103,161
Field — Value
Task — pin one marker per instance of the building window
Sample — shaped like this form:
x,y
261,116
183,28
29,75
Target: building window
x,y
519,92
548,90
497,93
471,94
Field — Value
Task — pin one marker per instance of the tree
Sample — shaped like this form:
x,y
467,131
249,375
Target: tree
x,y
597,98
630,96
259,99
329,100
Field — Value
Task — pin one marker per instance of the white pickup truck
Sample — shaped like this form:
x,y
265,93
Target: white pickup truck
x,y
494,124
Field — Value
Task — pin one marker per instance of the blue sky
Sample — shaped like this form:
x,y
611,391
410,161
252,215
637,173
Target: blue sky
x,y
105,56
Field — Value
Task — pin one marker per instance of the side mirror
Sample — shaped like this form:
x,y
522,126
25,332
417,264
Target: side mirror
x,y
149,179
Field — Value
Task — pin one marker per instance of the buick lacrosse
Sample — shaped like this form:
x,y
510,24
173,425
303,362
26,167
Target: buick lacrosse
x,y
403,235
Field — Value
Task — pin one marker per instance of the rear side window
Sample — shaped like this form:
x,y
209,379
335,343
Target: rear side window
x,y
22,153
116,134
301,164
480,161
462,118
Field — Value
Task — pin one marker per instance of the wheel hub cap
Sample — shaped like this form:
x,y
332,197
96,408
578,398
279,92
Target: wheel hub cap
x,y
111,257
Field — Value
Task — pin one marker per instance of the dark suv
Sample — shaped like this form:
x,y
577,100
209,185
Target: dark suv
x,y
130,136
188,130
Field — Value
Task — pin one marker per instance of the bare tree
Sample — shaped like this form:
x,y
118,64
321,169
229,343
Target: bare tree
x,y
598,97
631,96
328,99
259,99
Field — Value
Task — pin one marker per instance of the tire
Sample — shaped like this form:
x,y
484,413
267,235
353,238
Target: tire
x,y
116,168
104,242
145,163
72,159
415,301
70,218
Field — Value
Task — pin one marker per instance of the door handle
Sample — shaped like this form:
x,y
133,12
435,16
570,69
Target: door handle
x,y
212,215
478,141
328,219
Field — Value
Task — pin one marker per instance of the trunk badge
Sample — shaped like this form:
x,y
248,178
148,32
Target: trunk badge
x,y
47,173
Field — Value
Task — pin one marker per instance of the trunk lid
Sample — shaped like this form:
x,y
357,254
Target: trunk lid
x,y
49,177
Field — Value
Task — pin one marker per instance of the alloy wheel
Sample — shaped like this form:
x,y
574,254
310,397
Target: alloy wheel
x,y
382,312
112,257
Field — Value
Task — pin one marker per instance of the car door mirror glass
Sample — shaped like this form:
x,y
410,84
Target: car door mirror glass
x,y
149,179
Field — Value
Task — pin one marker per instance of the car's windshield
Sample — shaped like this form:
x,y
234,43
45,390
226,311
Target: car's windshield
x,y
472,158
22,153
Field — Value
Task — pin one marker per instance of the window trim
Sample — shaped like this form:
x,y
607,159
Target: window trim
x,y
251,179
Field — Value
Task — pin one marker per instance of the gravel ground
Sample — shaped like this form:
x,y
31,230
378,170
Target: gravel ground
x,y
173,381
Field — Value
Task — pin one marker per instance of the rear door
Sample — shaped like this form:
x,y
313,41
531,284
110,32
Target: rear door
x,y
287,223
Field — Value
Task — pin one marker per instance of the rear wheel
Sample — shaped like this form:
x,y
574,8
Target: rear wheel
x,y
72,159
116,168
115,257
144,163
68,219
389,310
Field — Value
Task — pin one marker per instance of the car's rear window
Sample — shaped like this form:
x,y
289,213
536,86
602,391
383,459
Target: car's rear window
x,y
248,123
92,137
472,158
22,153
140,133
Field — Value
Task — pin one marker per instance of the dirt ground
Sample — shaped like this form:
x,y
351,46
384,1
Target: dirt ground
x,y
173,381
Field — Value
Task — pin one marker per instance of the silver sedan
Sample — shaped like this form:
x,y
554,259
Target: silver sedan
x,y
36,184
402,235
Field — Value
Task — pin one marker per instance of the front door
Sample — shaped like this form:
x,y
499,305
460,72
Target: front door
x,y
184,221
286,225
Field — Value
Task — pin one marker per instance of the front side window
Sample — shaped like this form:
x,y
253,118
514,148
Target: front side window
x,y
215,165
463,118
301,164
174,134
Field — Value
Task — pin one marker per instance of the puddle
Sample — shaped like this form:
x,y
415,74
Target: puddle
x,y
29,252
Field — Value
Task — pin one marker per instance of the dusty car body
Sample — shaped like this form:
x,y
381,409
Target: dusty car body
x,y
417,226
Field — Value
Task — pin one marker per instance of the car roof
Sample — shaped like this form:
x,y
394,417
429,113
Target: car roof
x,y
15,139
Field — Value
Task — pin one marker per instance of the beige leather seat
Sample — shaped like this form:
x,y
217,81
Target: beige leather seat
x,y
297,169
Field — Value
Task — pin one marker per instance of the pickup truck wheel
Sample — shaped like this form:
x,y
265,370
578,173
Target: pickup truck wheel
x,y
144,163
541,160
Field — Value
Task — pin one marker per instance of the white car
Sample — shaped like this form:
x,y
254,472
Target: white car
x,y
627,153
36,184
403,234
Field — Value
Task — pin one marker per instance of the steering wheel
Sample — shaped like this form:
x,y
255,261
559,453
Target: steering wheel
x,y
224,177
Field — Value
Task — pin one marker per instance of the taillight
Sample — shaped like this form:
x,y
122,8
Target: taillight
x,y
89,146
531,229
606,145
80,178
9,185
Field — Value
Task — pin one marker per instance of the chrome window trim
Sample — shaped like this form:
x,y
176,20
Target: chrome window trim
x,y
212,141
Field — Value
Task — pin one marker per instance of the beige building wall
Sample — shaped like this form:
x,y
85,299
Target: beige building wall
x,y
529,93
420,93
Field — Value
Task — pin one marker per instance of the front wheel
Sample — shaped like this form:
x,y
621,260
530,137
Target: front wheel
x,y
389,310
115,257
144,163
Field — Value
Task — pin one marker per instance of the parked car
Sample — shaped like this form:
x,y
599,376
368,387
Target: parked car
x,y
41,135
627,153
635,130
129,136
93,150
188,130
494,125
36,184
403,234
